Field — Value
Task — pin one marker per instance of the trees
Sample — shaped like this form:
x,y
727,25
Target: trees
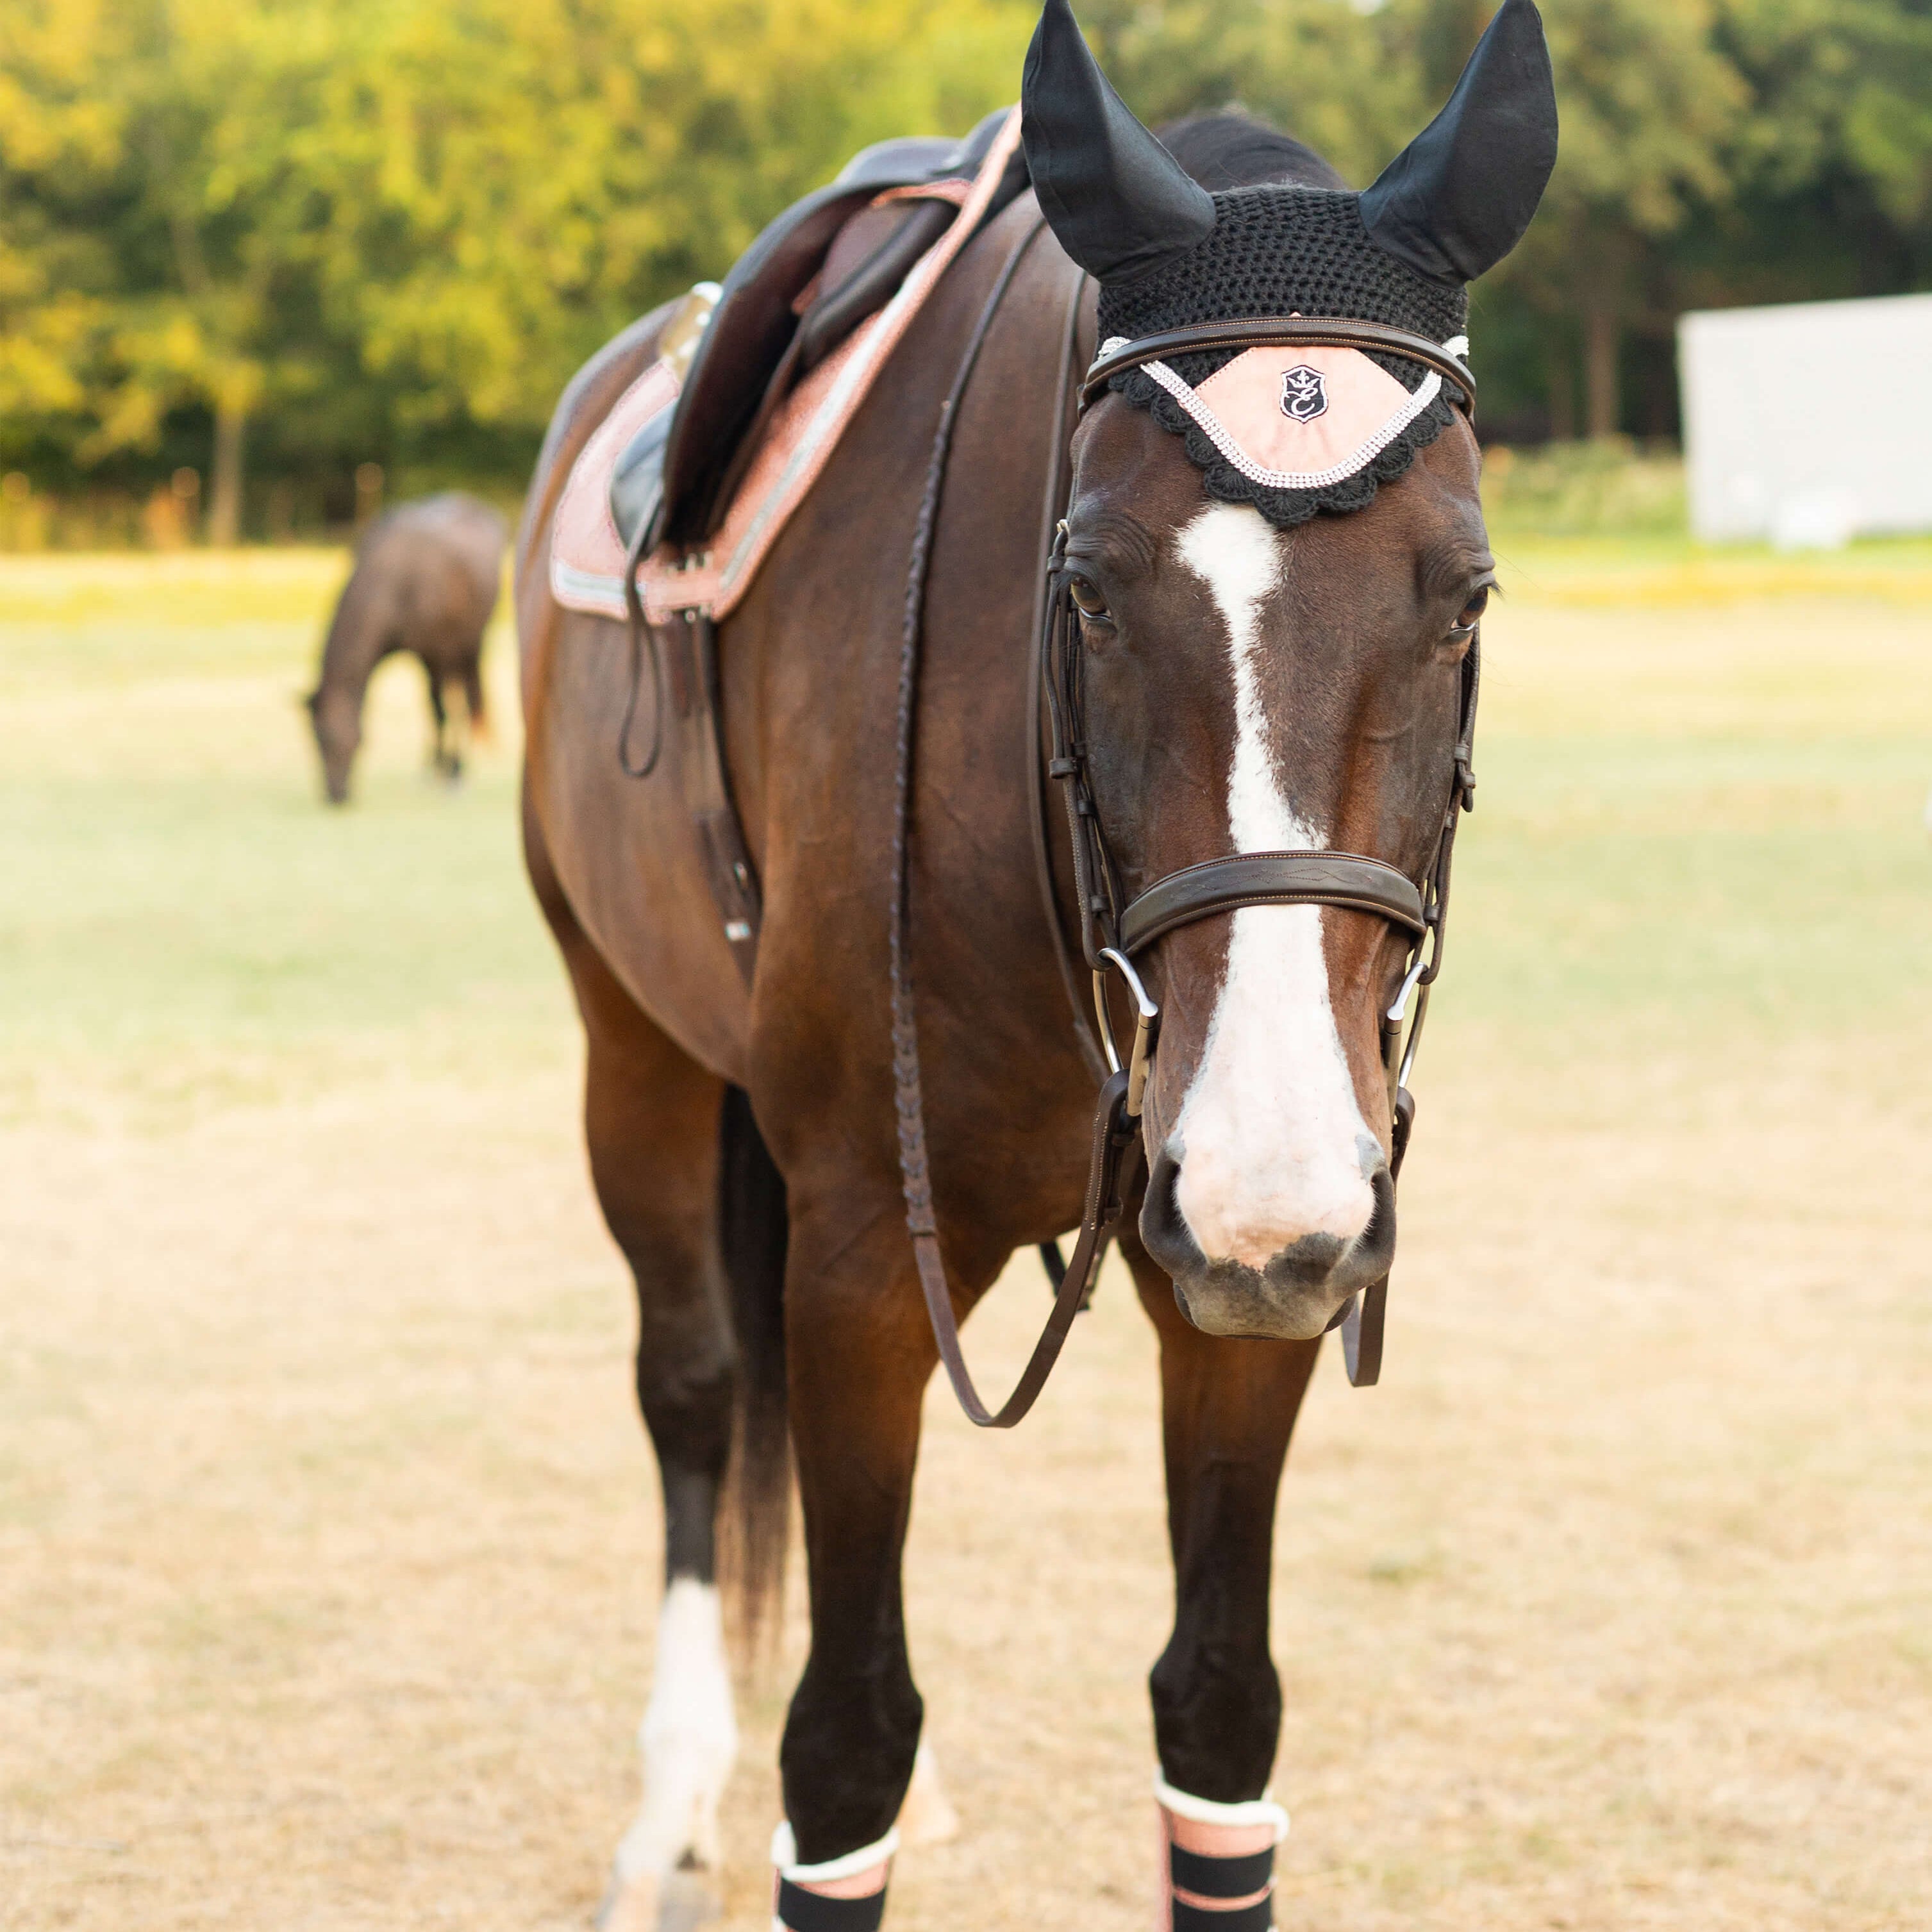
x,y
493,186
1834,169
294,235
1651,109
1716,151
1346,79
392,228
132,288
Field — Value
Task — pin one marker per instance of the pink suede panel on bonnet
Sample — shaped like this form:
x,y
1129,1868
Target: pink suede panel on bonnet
x,y
1299,419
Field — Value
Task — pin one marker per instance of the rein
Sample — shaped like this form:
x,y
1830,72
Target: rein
x,y
1114,929
1113,1134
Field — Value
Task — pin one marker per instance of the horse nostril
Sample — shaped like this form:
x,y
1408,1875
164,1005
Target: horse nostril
x,y
1164,1230
1375,1246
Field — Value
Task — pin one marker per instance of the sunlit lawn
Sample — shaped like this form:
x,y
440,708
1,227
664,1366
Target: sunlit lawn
x,y
1710,813
326,1537
181,912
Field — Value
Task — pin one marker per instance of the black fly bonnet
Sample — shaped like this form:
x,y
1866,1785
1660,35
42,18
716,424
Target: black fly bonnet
x,y
1168,255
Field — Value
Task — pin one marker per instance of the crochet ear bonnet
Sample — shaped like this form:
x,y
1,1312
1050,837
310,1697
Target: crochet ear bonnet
x,y
1292,430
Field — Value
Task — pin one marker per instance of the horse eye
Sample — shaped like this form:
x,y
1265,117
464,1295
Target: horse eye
x,y
1472,611
1087,600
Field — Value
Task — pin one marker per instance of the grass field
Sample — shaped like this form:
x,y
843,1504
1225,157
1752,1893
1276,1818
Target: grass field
x,y
327,1535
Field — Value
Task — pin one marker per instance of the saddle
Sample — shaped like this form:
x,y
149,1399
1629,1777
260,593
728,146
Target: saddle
x,y
678,495
826,265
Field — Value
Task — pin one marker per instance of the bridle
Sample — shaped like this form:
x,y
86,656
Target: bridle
x,y
1114,929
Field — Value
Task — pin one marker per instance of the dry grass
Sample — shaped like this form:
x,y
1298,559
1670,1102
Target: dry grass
x,y
327,1537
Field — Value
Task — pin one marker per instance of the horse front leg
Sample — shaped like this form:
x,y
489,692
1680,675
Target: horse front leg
x,y
860,1353
1228,1409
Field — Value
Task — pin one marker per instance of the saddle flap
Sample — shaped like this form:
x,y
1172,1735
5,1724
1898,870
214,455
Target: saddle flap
x,y
753,323
879,248
637,482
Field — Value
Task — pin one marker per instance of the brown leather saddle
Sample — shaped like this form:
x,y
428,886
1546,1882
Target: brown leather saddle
x,y
812,277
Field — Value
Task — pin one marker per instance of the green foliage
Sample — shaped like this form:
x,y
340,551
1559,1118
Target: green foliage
x,y
388,230
1605,488
391,229
1346,79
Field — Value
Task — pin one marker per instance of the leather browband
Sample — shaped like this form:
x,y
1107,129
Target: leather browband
x,y
1271,878
1288,332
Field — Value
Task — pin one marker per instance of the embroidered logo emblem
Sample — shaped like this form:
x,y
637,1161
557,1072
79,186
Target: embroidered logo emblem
x,y
1304,395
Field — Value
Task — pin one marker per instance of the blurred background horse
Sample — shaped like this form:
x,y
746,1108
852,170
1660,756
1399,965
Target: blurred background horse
x,y
425,581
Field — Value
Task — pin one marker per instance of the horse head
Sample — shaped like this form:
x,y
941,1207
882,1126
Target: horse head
x,y
335,716
1277,558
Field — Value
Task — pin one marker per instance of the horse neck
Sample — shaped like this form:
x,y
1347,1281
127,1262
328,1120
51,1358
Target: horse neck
x,y
355,643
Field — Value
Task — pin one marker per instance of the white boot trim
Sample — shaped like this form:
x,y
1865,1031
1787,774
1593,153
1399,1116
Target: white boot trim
x,y
784,1855
1262,1811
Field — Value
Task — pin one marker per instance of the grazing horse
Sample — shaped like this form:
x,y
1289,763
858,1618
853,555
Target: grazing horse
x,y
1270,660
426,579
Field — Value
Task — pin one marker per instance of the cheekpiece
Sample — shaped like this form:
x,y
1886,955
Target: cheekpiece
x,y
1293,430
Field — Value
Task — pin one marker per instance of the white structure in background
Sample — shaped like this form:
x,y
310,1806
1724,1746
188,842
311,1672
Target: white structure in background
x,y
1811,423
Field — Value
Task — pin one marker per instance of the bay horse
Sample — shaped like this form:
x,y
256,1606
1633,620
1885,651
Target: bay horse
x,y
426,581
1253,679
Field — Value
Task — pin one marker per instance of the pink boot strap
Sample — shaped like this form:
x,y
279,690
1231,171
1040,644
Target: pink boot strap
x,y
1217,1862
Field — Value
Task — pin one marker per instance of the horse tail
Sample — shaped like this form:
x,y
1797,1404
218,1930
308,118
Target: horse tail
x,y
753,1227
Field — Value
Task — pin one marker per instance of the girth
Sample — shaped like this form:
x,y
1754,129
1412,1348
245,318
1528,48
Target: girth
x,y
1114,929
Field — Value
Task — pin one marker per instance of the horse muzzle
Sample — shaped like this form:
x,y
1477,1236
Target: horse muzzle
x,y
1294,1295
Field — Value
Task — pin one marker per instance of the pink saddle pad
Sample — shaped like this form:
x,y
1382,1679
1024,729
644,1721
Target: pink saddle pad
x,y
586,555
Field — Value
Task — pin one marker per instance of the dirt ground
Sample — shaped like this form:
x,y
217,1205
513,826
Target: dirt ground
x,y
327,1536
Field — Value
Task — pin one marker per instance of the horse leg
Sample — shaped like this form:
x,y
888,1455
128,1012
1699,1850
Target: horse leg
x,y
859,1353
472,697
440,753
651,1120
1228,1409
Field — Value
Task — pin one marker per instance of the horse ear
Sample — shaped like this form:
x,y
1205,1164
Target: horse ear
x,y
1457,198
1120,203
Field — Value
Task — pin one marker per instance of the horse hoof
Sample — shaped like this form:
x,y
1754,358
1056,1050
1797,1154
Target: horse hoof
x,y
627,1908
679,1901
685,1901
927,1817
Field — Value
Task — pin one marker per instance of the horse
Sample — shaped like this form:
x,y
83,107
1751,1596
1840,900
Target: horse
x,y
1251,680
426,581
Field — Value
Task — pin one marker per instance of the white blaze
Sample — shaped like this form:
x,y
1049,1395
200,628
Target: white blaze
x,y
1269,1135
688,1737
